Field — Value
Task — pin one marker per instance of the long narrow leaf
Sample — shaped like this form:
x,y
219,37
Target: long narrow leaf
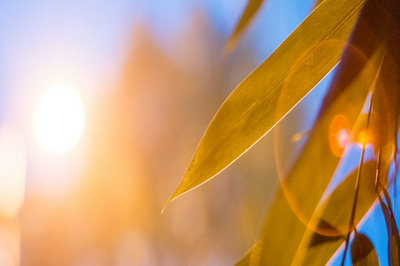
x,y
305,183
307,55
308,181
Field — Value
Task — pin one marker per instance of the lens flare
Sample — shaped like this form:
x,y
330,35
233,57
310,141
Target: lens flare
x,y
333,128
59,119
339,134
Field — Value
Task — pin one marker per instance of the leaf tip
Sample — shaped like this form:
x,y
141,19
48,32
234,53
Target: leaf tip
x,y
230,46
176,194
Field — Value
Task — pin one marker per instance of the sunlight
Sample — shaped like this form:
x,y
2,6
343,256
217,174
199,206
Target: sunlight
x,y
59,119
12,171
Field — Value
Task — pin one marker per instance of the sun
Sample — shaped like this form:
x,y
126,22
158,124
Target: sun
x,y
59,119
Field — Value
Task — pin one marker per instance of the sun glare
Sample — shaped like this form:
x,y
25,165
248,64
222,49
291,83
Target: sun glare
x,y
12,171
59,119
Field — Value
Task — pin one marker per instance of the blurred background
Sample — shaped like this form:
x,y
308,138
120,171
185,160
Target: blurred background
x,y
102,104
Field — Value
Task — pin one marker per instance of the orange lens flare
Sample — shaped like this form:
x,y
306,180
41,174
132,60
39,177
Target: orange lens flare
x,y
338,134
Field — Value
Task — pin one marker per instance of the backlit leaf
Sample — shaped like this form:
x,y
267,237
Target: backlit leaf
x,y
336,209
306,250
363,251
309,180
317,2
297,65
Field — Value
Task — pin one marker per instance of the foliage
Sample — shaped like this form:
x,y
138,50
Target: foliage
x,y
361,38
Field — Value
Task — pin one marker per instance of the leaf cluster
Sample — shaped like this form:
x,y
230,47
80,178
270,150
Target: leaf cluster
x,y
361,38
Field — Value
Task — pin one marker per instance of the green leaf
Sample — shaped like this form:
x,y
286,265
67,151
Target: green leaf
x,y
297,65
248,14
363,251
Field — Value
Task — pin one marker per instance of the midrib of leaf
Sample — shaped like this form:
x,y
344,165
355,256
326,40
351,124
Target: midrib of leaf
x,y
212,156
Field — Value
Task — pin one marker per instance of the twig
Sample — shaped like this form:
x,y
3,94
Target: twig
x,y
357,188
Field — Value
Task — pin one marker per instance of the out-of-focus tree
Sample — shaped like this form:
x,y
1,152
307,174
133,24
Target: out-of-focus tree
x,y
140,133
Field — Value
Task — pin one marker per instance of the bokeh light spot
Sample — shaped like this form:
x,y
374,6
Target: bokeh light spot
x,y
59,119
338,134
342,137
12,171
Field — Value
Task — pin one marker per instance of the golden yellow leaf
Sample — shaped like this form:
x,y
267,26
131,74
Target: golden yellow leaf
x,y
296,66
303,187
318,2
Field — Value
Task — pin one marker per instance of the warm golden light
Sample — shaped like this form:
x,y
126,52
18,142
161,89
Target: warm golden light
x,y
342,138
363,138
338,134
12,171
59,119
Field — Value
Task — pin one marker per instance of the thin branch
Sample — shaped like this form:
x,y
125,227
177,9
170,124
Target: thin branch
x,y
395,166
357,188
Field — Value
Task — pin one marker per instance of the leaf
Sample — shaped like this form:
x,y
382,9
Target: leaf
x,y
307,182
248,14
395,244
309,247
387,93
318,2
305,246
304,175
247,258
296,66
363,251
318,239
337,208
393,248
388,220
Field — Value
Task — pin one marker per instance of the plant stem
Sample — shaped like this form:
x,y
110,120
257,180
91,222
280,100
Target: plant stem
x,y
357,188
378,186
395,165
353,210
